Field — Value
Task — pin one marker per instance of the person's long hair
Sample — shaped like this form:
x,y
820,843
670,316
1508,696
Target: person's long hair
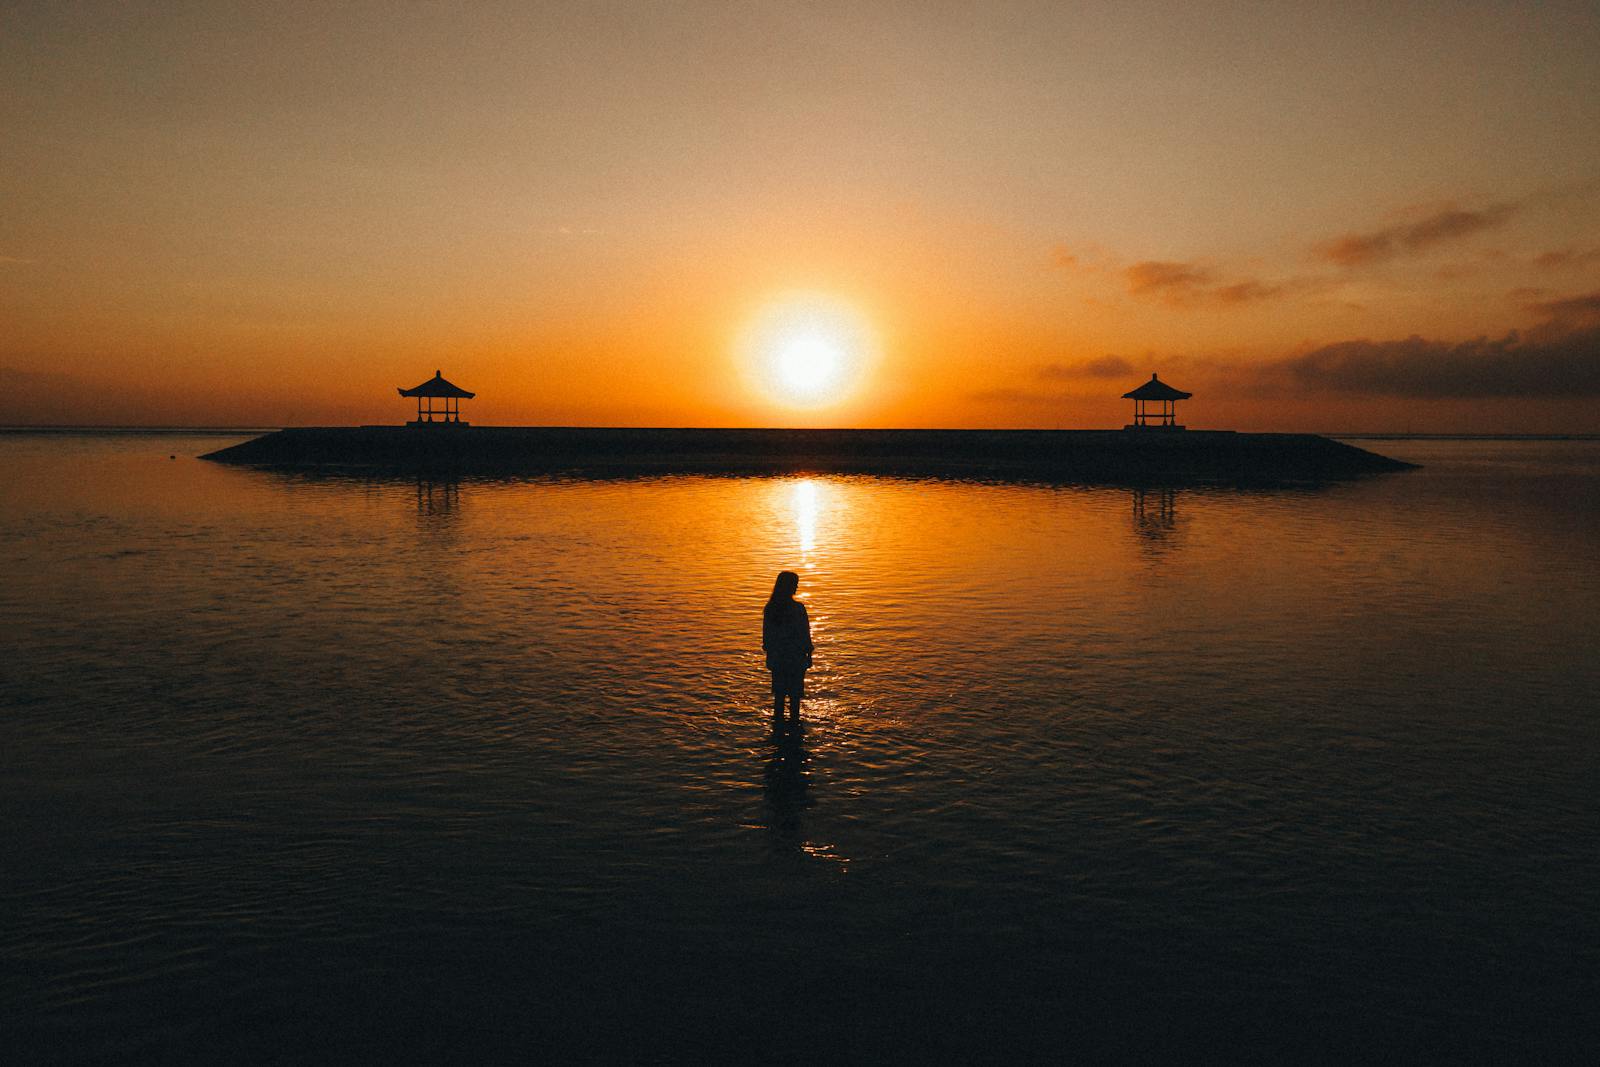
x,y
782,595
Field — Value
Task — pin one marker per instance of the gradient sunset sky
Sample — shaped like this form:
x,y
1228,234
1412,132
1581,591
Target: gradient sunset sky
x,y
1325,217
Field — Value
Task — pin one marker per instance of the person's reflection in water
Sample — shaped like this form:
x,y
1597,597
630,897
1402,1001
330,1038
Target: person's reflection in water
x,y
786,792
786,639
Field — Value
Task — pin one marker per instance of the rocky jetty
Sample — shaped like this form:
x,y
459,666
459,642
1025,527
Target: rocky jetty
x,y
1146,456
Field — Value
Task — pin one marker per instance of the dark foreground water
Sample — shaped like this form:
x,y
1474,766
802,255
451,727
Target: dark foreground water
x,y
300,770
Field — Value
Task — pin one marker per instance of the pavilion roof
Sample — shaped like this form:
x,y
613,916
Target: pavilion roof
x,y
1155,389
437,386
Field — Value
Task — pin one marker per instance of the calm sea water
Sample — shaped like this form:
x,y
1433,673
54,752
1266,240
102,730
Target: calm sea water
x,y
300,768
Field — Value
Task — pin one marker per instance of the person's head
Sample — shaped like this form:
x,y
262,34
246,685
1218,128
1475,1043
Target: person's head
x,y
786,584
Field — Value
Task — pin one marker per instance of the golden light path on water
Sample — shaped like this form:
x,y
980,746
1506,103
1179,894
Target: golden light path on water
x,y
787,772
805,517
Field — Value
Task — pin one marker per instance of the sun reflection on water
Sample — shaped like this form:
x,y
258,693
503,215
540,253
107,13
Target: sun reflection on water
x,y
805,516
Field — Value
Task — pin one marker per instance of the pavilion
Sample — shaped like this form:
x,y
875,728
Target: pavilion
x,y
1163,397
436,388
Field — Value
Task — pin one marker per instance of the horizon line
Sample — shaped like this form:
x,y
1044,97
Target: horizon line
x,y
167,428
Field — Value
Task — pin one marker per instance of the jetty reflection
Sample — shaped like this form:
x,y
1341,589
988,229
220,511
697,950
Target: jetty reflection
x,y
440,498
1155,516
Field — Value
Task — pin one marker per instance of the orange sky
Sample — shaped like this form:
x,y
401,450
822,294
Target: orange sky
x,y
1315,217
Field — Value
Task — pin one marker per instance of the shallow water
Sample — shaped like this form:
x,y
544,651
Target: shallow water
x,y
299,767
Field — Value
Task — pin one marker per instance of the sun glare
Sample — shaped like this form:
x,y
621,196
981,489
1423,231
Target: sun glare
x,y
806,350
808,364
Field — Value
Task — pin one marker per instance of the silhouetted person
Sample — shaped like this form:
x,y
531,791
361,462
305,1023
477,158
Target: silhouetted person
x,y
786,639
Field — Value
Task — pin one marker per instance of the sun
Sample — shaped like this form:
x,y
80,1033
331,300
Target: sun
x,y
806,350
808,365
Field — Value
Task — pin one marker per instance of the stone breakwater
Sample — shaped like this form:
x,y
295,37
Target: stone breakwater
x,y
1138,456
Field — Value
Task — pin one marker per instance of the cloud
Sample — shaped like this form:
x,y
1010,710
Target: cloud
x,y
1190,284
1570,312
1096,370
1563,258
1560,357
1165,279
1250,291
1177,283
1103,367
1419,368
1450,224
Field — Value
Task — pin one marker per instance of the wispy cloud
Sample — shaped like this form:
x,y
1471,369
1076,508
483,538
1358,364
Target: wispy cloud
x,y
1201,283
1166,279
1082,258
1412,238
1564,258
1252,290
1188,284
1051,383
1101,367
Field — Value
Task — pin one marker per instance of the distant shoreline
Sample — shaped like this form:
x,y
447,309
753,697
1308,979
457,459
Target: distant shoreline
x,y
1465,436
136,431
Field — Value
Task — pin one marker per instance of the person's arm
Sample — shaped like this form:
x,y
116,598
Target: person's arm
x,y
805,625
